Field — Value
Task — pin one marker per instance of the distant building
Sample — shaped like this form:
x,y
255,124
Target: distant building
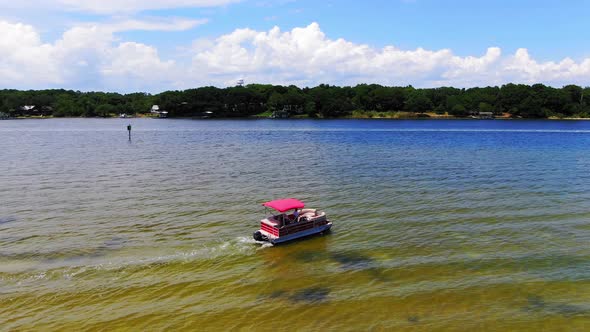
x,y
486,115
156,110
33,110
481,115
293,109
287,111
280,114
27,108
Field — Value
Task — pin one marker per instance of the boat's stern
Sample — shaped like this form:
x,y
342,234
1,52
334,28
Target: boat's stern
x,y
269,230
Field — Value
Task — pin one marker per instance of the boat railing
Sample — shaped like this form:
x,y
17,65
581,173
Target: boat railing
x,y
285,224
269,228
303,225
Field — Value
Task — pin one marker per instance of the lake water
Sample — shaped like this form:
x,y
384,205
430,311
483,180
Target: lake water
x,y
438,225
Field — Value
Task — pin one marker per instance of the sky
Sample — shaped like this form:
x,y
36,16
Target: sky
x,y
158,45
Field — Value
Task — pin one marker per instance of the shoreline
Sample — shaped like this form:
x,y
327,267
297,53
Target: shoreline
x,y
419,118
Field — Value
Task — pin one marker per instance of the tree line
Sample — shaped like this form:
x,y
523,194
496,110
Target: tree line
x,y
518,100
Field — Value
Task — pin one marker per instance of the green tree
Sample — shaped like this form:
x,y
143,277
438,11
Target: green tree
x,y
389,99
511,96
363,96
310,109
417,102
65,106
459,110
532,107
485,107
337,108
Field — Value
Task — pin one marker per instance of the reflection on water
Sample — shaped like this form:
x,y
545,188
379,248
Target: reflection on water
x,y
438,225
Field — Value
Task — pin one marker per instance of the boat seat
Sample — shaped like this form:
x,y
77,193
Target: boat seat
x,y
313,211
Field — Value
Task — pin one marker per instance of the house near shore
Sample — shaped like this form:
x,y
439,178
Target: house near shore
x,y
280,114
156,110
486,115
481,115
33,110
287,111
25,110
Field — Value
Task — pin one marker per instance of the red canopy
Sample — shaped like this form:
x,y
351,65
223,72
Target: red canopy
x,y
283,205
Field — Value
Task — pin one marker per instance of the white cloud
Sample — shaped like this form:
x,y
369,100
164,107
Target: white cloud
x,y
522,67
118,6
137,67
305,56
92,56
155,24
23,57
85,57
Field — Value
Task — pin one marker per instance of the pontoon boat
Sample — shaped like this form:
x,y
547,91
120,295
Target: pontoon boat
x,y
297,223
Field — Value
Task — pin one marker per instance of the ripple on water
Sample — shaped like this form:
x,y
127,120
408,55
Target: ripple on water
x,y
434,223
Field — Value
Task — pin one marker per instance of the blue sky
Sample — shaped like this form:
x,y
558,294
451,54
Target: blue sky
x,y
125,45
549,29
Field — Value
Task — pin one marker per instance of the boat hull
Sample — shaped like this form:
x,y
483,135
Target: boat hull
x,y
290,237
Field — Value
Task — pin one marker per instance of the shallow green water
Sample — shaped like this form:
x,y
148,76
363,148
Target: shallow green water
x,y
438,225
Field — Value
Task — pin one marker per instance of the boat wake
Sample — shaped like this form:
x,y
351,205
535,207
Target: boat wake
x,y
248,240
35,273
